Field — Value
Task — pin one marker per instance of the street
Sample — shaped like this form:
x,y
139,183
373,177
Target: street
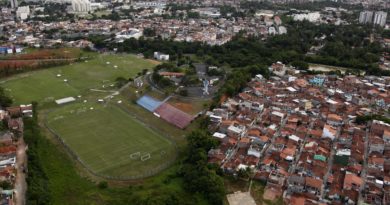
x,y
20,181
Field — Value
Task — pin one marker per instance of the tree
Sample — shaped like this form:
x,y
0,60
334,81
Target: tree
x,y
198,176
120,82
300,65
193,15
5,101
149,32
103,185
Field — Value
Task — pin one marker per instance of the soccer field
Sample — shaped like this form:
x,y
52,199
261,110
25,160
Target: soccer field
x,y
99,72
109,141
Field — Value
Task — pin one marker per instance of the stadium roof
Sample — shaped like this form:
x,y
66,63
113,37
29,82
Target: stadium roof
x,y
174,116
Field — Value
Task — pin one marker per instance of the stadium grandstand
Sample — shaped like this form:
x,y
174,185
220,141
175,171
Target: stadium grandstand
x,y
149,103
165,111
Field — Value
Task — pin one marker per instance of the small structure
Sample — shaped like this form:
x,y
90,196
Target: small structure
x,y
65,100
161,56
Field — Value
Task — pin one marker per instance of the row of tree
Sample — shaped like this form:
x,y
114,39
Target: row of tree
x,y
37,181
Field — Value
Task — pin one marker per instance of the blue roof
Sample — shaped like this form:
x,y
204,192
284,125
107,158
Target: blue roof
x,y
149,103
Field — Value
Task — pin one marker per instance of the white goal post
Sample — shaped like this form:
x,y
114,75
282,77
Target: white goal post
x,y
135,155
145,157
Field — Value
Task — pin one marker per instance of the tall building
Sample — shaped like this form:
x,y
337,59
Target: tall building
x,y
366,17
23,12
81,6
380,18
14,4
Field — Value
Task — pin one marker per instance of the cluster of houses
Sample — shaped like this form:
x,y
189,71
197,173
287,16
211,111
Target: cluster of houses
x,y
10,133
213,30
299,135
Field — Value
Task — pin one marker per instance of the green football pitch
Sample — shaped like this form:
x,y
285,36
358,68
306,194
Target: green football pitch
x,y
106,139
109,141
98,72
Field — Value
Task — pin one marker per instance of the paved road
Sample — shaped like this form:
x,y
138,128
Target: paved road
x,y
20,182
301,148
330,163
363,174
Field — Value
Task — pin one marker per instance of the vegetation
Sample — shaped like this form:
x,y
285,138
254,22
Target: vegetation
x,y
345,46
37,180
120,82
366,118
5,100
55,179
107,136
199,176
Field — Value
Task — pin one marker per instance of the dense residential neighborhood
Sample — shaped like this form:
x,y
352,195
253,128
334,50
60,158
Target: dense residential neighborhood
x,y
13,155
301,135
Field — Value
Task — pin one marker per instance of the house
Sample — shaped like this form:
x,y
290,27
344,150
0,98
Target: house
x,y
296,184
352,181
376,144
277,117
236,130
161,56
175,77
6,138
278,68
386,136
317,80
255,150
219,136
288,154
378,127
313,185
334,120
329,132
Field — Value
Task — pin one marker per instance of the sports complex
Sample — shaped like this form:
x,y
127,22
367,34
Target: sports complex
x,y
106,137
165,111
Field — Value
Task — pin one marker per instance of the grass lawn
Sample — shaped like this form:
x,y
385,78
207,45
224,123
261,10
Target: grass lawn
x,y
68,183
44,85
105,137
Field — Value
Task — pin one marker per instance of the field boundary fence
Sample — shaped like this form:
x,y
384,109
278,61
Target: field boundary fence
x,y
151,172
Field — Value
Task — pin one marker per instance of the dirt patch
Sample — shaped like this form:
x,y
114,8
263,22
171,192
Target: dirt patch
x,y
154,62
186,107
269,194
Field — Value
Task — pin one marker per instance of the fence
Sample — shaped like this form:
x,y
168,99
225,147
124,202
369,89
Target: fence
x,y
152,172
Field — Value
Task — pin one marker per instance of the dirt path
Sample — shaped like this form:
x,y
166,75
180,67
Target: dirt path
x,y
20,182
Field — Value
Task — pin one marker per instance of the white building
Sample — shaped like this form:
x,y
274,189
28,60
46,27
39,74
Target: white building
x,y
268,13
81,6
23,12
254,150
150,4
329,132
127,34
282,30
14,4
161,56
272,31
365,17
208,12
380,18
312,17
95,6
